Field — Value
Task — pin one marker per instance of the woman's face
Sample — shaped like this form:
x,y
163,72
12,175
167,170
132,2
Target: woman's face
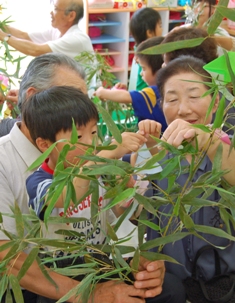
x,y
183,99
203,13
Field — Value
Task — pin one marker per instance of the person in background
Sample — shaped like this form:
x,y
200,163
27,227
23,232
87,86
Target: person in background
x,y
200,51
145,23
17,153
202,12
146,102
63,37
185,102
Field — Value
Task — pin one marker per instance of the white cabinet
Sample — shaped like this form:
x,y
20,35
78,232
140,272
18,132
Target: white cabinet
x,y
115,36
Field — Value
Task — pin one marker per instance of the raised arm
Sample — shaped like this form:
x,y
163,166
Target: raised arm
x,y
115,95
26,46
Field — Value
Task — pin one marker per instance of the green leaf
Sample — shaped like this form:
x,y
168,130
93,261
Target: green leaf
x,y
94,201
41,158
217,232
171,46
141,226
227,12
74,134
230,70
219,115
136,260
216,18
152,256
126,194
110,124
164,240
19,221
149,224
16,289
28,262
111,233
217,162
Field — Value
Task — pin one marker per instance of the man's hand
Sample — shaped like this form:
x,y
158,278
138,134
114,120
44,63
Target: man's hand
x,y
12,98
150,277
117,292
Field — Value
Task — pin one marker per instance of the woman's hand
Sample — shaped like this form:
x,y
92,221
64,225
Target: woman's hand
x,y
180,130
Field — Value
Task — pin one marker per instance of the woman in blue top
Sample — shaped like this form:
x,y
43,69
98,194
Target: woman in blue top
x,y
185,103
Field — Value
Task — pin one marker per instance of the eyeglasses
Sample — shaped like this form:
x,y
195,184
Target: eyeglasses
x,y
55,9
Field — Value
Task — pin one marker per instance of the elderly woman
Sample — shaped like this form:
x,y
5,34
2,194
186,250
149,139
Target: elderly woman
x,y
184,104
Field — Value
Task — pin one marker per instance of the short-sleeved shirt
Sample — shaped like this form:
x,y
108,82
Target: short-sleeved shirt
x,y
146,105
17,153
37,185
72,43
184,250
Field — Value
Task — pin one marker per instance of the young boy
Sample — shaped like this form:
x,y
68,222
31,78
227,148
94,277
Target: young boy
x,y
146,103
48,116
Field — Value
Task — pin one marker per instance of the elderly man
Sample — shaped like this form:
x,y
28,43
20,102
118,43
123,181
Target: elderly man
x,y
16,154
63,37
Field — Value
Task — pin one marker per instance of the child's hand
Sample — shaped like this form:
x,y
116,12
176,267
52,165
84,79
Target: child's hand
x,y
131,142
149,127
120,85
100,93
153,128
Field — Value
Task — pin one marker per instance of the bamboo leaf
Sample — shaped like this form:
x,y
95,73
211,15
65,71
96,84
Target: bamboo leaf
x,y
19,221
126,194
74,133
230,70
28,262
171,46
227,12
110,124
141,226
16,289
152,256
219,115
94,201
217,232
136,260
41,158
111,233
216,18
164,240
149,224
217,162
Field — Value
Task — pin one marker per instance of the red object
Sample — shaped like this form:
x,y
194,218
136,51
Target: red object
x,y
98,46
97,17
109,60
94,31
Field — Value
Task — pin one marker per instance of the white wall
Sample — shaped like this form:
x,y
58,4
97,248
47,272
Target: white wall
x,y
27,15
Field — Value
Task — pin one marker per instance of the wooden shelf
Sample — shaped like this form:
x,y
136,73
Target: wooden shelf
x,y
121,10
110,52
105,38
104,23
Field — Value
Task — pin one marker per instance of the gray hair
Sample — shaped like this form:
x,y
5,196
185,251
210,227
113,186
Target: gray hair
x,y
41,73
77,7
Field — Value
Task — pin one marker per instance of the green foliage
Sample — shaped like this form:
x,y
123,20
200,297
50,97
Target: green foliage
x,y
8,60
184,202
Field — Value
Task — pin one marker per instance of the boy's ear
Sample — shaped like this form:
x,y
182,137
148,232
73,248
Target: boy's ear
x,y
42,144
150,33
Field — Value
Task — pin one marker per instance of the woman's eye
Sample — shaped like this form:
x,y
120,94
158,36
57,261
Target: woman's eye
x,y
94,132
172,100
194,97
79,136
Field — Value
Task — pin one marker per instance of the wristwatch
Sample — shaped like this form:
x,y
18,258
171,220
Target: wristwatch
x,y
7,37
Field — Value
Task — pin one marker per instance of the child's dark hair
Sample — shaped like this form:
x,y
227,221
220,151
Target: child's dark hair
x,y
153,61
142,20
207,50
183,64
48,112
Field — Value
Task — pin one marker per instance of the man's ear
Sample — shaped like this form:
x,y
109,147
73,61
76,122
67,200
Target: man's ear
x,y
216,104
72,16
30,91
43,144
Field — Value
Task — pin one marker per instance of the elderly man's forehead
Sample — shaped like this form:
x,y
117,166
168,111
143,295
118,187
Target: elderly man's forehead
x,y
68,77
